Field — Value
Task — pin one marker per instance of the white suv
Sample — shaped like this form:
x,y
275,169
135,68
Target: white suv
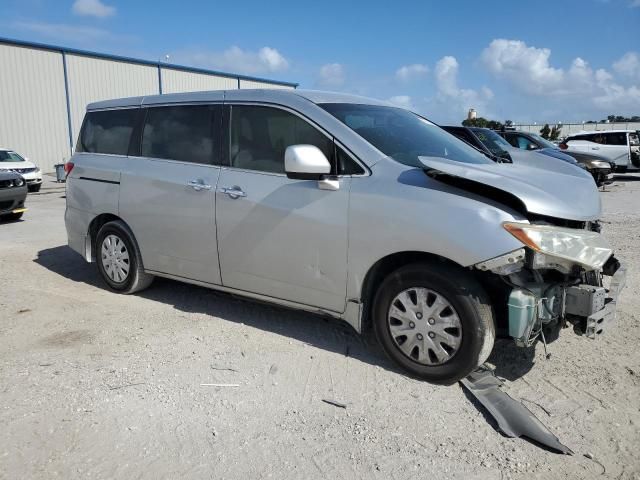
x,y
619,146
11,161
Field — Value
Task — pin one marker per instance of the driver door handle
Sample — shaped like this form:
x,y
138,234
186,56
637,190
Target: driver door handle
x,y
198,185
233,192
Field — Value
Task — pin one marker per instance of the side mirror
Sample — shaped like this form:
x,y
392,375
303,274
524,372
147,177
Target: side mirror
x,y
305,162
532,146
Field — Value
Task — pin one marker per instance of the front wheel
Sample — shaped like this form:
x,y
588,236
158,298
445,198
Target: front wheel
x,y
434,320
119,260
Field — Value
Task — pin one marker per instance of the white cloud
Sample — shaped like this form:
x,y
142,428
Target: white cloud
x,y
60,31
519,63
273,59
237,60
403,101
528,70
634,3
457,99
92,8
408,72
332,75
628,64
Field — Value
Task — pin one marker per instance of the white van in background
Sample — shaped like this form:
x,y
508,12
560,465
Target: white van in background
x,y
619,146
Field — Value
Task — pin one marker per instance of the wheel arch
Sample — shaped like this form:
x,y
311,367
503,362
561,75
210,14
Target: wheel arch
x,y
95,226
383,268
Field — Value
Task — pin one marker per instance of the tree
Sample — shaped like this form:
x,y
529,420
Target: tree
x,y
555,132
482,123
545,131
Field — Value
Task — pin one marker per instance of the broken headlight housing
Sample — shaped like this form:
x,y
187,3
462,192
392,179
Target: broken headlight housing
x,y
583,247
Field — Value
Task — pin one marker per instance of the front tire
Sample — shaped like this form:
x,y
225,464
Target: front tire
x,y
13,217
434,320
118,258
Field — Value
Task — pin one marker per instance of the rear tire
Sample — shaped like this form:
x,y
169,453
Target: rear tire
x,y
119,260
450,341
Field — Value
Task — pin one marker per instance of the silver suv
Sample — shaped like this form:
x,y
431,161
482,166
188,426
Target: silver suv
x,y
343,206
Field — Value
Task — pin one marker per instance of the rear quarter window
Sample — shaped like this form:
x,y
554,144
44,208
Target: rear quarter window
x,y
107,131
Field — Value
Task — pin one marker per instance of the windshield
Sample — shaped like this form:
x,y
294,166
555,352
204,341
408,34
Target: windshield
x,y
543,142
490,139
6,156
402,135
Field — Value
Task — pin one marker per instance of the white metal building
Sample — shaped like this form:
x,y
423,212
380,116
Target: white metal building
x,y
45,89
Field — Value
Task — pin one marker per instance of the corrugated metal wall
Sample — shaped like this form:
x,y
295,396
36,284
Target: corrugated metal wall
x,y
174,81
33,109
95,79
34,115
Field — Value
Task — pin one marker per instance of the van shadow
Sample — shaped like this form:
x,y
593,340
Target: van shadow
x,y
322,332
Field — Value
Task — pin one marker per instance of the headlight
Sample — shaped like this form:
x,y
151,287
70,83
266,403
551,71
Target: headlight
x,y
18,182
599,164
583,247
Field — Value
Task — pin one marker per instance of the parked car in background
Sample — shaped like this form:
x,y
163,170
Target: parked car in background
x,y
10,160
621,147
491,143
345,206
474,136
13,192
599,166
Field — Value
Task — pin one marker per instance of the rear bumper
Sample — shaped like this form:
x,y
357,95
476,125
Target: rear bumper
x,y
77,225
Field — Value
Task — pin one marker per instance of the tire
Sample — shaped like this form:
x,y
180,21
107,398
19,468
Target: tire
x,y
34,188
13,217
441,361
118,258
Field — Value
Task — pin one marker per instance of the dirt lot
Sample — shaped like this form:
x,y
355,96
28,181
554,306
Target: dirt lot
x,y
99,385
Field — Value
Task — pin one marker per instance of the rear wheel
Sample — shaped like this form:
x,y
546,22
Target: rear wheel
x,y
119,260
434,320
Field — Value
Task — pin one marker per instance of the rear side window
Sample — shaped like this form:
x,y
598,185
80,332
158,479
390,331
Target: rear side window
x,y
107,131
183,133
260,136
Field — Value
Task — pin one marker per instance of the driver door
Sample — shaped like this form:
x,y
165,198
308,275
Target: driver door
x,y
279,237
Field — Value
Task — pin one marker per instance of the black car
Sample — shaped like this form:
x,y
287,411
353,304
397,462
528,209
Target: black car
x,y
13,192
599,167
483,139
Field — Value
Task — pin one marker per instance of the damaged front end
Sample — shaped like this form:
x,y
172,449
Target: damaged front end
x,y
563,274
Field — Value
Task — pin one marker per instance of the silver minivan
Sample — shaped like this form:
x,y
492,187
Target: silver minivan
x,y
343,206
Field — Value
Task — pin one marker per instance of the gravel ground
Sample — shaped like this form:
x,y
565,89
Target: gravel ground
x,y
99,385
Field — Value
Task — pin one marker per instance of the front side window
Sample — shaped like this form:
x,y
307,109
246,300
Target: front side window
x,y
183,133
616,138
403,135
260,136
107,131
522,142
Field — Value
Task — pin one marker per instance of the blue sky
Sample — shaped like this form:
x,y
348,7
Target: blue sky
x,y
571,60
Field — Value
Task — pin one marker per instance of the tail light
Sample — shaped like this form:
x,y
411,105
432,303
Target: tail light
x,y
563,146
68,167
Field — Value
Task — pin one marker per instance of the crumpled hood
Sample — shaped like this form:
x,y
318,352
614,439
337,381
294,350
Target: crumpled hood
x,y
570,195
